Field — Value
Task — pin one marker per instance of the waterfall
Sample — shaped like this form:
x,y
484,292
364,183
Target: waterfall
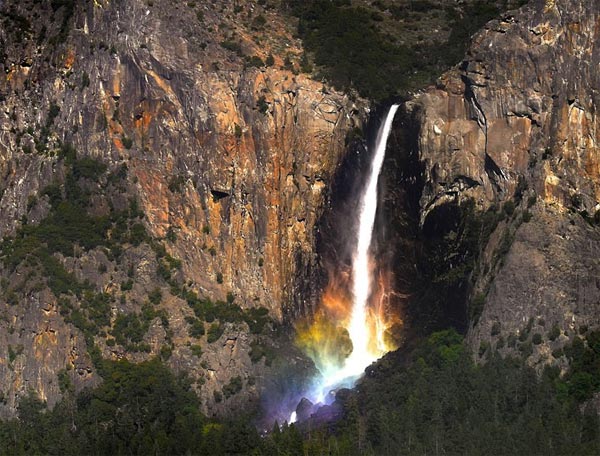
x,y
366,341
361,271
365,324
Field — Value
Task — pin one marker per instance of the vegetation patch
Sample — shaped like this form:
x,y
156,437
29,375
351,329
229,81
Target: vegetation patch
x,y
444,394
70,228
259,350
583,379
382,55
233,387
207,310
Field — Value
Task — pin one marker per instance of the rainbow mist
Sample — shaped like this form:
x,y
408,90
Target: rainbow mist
x,y
363,327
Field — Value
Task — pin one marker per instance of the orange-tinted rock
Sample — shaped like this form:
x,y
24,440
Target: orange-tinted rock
x,y
234,160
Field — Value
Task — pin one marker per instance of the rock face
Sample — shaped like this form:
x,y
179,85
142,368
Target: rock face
x,y
247,150
228,149
517,122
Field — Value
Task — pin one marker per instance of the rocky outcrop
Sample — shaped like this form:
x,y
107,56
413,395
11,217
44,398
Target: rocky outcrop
x,y
37,346
228,150
516,122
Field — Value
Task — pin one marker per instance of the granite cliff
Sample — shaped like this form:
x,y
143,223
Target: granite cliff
x,y
165,166
189,127
512,133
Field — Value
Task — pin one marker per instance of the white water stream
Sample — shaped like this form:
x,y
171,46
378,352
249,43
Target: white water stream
x,y
365,349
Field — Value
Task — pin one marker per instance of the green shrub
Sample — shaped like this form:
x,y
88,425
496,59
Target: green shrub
x,y
476,307
258,351
232,46
509,208
582,385
171,235
196,328
155,296
196,350
218,396
257,318
129,328
165,352
176,184
12,354
233,387
96,307
526,349
504,246
262,105
85,80
531,201
554,332
254,61
500,343
65,385
259,22
238,131
88,168
215,331
523,335
53,112
138,234
484,347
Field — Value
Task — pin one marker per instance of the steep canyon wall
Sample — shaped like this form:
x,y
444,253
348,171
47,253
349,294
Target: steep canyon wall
x,y
514,128
228,151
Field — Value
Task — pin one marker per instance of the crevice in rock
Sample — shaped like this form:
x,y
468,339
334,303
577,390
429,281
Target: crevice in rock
x,y
218,194
493,171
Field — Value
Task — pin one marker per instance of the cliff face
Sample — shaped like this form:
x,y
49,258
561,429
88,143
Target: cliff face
x,y
227,150
514,127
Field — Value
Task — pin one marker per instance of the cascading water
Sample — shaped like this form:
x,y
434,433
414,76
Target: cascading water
x,y
364,326
362,355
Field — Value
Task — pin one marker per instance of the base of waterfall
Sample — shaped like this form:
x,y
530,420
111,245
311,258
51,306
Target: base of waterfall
x,y
324,392
321,413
